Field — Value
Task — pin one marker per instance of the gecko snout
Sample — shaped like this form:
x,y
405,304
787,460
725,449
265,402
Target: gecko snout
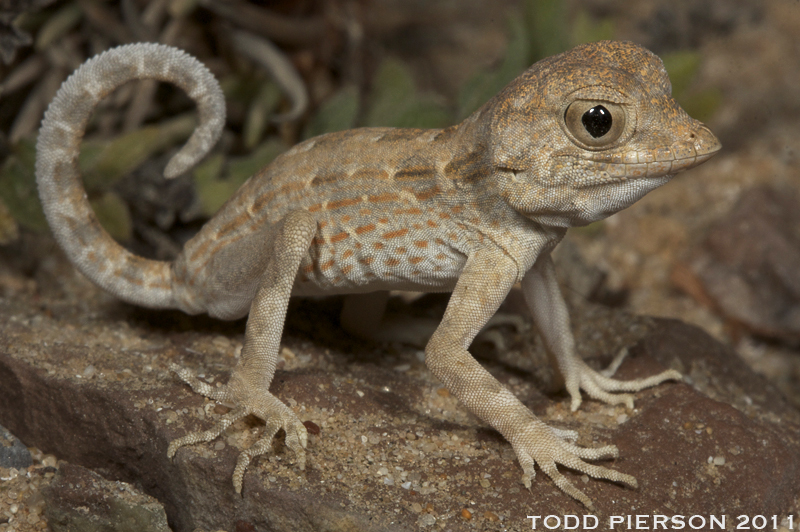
x,y
698,146
706,143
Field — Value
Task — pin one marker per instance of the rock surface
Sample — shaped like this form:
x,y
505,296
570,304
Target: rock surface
x,y
78,499
12,452
748,264
85,378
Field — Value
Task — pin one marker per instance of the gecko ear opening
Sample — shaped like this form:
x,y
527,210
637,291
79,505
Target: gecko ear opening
x,y
595,124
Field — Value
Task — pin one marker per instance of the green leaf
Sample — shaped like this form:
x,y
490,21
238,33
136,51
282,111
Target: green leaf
x,y
338,113
392,91
212,192
240,169
215,181
257,117
9,229
58,25
701,104
238,87
546,28
423,113
124,154
392,88
395,102
114,215
586,29
120,156
182,8
484,85
681,67
18,187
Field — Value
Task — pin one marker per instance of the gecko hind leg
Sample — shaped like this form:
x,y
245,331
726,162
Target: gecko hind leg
x,y
599,384
636,384
247,390
543,295
364,316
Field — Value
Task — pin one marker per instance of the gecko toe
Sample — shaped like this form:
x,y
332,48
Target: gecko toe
x,y
540,444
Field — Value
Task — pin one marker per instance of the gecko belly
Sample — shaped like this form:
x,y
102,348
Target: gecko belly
x,y
432,268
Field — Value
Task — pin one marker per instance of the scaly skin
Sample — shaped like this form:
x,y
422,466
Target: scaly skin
x,y
472,209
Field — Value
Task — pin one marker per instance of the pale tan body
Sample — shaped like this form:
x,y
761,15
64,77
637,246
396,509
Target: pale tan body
x,y
474,208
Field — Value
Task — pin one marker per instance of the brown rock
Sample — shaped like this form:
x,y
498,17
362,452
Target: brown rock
x,y
85,377
748,265
78,499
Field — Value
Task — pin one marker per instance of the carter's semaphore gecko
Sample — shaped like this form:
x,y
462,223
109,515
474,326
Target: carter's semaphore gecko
x,y
474,209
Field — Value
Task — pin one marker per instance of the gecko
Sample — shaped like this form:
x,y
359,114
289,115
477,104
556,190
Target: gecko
x,y
471,209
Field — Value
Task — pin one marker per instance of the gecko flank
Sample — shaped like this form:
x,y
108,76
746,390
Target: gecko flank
x,y
472,209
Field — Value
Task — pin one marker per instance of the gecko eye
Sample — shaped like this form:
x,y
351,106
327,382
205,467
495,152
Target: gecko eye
x,y
595,124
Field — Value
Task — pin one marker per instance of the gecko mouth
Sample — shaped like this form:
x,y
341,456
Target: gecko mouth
x,y
601,168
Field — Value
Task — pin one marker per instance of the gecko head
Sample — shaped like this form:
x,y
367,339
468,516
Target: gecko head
x,y
586,133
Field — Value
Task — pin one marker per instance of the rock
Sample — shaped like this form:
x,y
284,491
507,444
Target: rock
x,y
85,377
748,264
13,452
78,499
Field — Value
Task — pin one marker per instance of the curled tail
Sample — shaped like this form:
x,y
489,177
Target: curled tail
x,y
90,248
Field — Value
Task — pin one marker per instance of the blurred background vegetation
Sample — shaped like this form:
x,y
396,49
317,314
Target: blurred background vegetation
x,y
289,69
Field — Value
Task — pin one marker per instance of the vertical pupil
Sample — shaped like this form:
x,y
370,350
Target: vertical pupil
x,y
597,121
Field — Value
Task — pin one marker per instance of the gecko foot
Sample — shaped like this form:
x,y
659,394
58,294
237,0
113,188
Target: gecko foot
x,y
246,399
599,384
537,443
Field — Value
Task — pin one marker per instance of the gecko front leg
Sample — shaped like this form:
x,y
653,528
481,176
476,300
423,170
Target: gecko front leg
x,y
248,388
485,281
543,295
